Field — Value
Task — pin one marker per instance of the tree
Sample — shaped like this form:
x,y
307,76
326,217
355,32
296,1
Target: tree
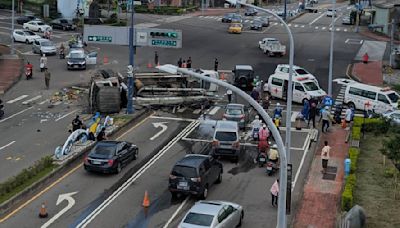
x,y
391,148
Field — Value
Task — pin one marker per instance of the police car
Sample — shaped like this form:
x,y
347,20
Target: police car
x,y
366,97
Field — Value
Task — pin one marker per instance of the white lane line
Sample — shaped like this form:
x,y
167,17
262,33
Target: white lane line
x,y
316,27
276,23
323,28
172,118
316,19
176,212
136,175
302,161
1,121
303,26
214,110
62,117
201,16
294,115
9,144
32,99
296,26
246,21
17,99
47,100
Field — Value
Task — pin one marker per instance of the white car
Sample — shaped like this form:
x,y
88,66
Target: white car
x,y
213,214
37,26
26,36
331,13
298,72
393,117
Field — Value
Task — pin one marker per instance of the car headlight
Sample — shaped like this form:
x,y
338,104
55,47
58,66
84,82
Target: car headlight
x,y
69,63
82,63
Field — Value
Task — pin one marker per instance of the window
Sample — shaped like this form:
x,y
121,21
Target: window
x,y
277,81
311,86
393,97
368,94
207,164
284,69
298,87
234,111
222,215
184,171
225,136
199,219
202,169
382,98
301,71
355,91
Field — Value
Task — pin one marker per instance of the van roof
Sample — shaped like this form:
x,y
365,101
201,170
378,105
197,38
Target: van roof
x,y
243,67
295,79
384,90
227,125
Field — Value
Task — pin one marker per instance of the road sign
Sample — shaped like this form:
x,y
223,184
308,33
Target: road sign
x,y
327,101
154,37
100,39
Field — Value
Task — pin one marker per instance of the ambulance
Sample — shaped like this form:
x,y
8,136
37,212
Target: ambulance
x,y
304,87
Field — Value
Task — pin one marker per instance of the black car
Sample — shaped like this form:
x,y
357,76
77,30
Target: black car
x,y
250,12
237,19
194,174
62,24
228,17
23,19
256,25
110,156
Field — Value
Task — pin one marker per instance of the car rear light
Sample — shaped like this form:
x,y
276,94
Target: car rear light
x,y
110,162
215,143
85,160
236,144
196,179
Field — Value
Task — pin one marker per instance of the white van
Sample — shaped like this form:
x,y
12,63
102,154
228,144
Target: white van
x,y
362,96
304,88
297,71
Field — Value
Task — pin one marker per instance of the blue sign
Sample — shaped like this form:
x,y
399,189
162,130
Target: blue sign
x,y
328,101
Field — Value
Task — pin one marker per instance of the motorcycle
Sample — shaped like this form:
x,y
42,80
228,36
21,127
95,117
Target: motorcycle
x,y
61,54
28,73
272,167
262,159
255,133
277,121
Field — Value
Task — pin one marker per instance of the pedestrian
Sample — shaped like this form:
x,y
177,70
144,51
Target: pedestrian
x,y
325,117
155,58
43,62
47,77
229,95
255,94
189,62
275,193
184,65
306,110
102,135
348,116
76,123
216,64
325,156
180,63
312,114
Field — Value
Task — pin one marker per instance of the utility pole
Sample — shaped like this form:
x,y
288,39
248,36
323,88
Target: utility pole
x,y
331,49
131,72
284,13
393,25
12,28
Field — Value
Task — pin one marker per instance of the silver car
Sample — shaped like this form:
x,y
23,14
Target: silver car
x,y
213,214
393,117
44,46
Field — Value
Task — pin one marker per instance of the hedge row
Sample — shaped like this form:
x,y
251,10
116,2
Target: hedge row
x,y
26,175
358,121
166,10
353,155
347,195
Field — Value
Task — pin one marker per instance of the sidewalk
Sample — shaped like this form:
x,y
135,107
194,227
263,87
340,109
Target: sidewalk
x,y
11,66
321,198
370,73
372,35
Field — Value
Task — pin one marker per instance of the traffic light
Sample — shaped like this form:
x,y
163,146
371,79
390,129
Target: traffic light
x,y
164,34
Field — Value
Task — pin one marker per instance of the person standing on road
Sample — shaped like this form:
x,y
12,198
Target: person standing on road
x,y
312,114
189,62
229,95
348,116
102,135
43,63
180,62
216,64
47,77
325,117
155,58
274,193
325,156
184,65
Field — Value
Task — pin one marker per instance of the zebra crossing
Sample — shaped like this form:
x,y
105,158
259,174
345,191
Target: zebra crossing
x,y
339,101
28,100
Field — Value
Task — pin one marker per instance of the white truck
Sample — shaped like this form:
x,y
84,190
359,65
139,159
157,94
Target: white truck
x,y
272,47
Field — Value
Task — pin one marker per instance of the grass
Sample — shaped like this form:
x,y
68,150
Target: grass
x,y
374,191
120,120
26,184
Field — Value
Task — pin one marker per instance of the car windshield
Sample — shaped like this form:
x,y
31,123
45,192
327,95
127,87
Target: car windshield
x,y
184,171
29,33
301,71
47,44
64,21
77,55
234,111
106,150
229,15
198,219
225,136
393,97
311,86
257,22
40,23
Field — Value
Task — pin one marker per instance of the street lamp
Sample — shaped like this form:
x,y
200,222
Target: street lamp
x,y
12,28
131,74
331,49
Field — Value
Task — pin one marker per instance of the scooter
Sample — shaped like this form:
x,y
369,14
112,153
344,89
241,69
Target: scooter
x,y
255,133
272,167
28,73
61,54
262,159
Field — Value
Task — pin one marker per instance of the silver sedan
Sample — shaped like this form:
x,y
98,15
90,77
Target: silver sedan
x,y
393,116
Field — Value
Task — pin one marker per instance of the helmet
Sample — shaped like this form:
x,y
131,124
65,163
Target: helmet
x,y
274,146
278,104
257,117
264,125
326,107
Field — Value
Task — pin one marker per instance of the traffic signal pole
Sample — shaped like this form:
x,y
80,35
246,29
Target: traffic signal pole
x,y
131,72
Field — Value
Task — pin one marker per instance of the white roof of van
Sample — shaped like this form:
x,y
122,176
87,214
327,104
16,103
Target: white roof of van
x,y
226,124
349,82
243,67
295,79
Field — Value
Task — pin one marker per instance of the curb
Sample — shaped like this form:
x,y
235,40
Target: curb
x,y
17,199
349,73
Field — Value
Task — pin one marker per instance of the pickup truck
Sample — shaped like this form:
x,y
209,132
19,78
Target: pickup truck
x,y
310,8
272,47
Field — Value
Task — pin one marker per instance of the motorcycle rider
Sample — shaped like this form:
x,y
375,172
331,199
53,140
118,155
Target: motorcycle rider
x,y
273,154
263,133
277,114
62,51
256,125
29,70
255,94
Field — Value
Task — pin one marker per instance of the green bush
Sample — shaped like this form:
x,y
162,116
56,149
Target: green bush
x,y
358,121
390,172
347,195
353,155
356,133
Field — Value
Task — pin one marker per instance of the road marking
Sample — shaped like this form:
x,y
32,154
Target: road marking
x,y
345,30
176,212
9,144
201,16
62,117
303,26
61,178
289,25
294,115
136,175
163,129
17,99
276,23
246,21
214,110
62,197
1,121
323,28
338,29
172,118
302,161
32,99
316,19
47,100
353,41
296,26
316,27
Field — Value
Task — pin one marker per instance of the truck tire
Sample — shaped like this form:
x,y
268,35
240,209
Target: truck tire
x,y
108,100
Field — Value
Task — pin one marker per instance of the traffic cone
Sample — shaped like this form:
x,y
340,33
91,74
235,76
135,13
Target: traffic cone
x,y
146,200
149,65
105,60
222,76
344,123
43,211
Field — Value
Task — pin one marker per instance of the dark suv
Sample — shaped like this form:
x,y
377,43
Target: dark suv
x,y
194,174
244,75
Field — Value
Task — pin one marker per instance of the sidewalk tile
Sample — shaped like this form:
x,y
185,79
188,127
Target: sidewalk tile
x,y
370,73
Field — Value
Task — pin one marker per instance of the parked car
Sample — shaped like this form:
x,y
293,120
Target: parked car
x,y
346,20
393,117
235,28
44,46
110,156
250,12
227,18
23,19
213,214
26,36
78,59
237,113
331,13
256,25
194,174
36,26
62,24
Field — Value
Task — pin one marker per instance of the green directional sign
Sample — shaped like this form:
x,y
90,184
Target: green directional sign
x,y
100,39
163,43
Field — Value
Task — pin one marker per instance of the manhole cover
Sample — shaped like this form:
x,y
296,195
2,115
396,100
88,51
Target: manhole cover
x,y
329,176
331,169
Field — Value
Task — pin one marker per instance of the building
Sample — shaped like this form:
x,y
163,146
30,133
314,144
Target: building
x,y
385,11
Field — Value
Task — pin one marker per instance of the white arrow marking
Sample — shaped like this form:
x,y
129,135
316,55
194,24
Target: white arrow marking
x,y
62,197
157,125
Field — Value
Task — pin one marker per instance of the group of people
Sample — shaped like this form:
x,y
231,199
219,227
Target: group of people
x,y
78,124
185,63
